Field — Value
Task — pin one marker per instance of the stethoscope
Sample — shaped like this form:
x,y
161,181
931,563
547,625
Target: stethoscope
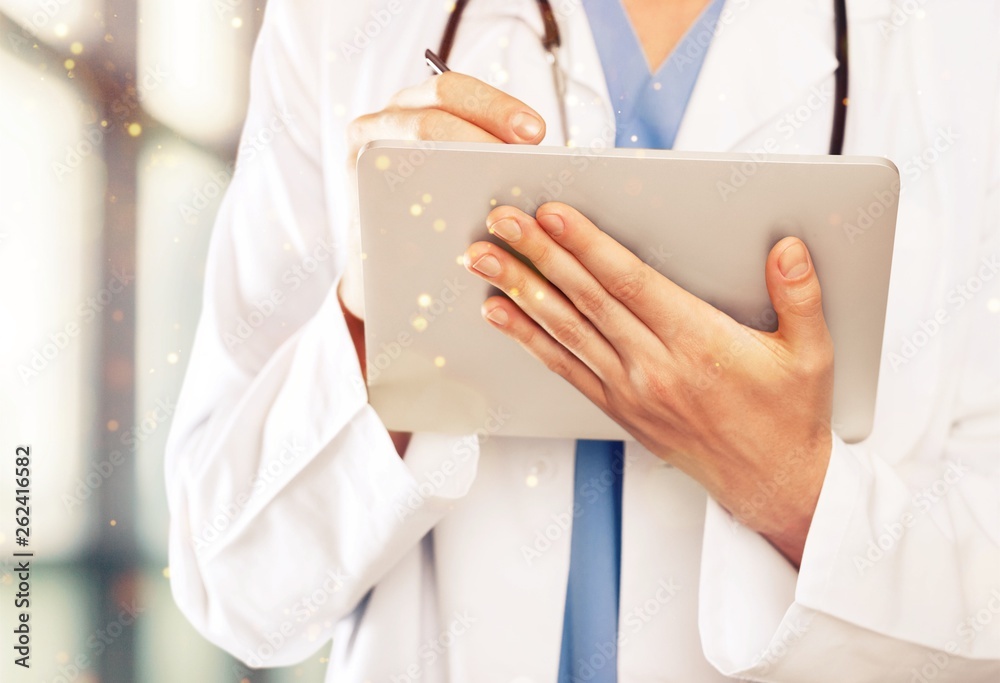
x,y
551,41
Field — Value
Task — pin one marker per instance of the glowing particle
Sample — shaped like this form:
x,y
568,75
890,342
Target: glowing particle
x,y
112,425
382,163
113,522
166,572
236,22
657,85
516,191
118,315
531,481
426,199
539,295
60,30
104,123
173,357
460,260
424,300
420,323
364,256
634,138
69,64
134,129
449,7
416,210
514,291
76,48
493,202
439,225
993,305
439,362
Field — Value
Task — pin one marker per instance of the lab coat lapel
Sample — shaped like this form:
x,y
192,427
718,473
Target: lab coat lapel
x,y
766,56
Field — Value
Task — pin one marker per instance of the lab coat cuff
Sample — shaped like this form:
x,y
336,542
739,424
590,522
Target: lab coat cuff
x,y
830,524
751,598
443,467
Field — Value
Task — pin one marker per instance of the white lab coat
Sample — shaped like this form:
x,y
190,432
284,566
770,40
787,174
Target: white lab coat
x,y
293,520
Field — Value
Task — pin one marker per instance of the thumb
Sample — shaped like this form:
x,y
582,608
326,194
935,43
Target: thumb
x,y
795,294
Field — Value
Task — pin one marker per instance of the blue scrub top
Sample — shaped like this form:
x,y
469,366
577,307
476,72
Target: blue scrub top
x,y
648,112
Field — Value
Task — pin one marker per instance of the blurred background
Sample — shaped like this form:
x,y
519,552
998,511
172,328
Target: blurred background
x,y
119,122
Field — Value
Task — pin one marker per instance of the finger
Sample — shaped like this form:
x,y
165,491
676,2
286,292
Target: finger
x,y
796,297
616,322
496,112
545,304
505,316
417,124
661,304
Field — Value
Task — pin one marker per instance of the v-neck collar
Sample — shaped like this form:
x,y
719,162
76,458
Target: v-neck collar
x,y
648,106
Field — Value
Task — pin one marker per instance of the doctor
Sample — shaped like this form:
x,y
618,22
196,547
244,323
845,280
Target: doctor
x,y
749,541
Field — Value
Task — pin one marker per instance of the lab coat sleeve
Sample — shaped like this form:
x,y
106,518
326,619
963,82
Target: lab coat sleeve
x,y
287,499
900,579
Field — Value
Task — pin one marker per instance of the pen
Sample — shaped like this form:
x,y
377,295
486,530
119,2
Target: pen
x,y
435,62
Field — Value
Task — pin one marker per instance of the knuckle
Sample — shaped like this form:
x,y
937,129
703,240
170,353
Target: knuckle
x,y
656,387
560,363
629,285
570,333
818,362
429,124
541,256
592,301
441,85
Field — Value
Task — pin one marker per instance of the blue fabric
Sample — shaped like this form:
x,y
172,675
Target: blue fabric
x,y
648,112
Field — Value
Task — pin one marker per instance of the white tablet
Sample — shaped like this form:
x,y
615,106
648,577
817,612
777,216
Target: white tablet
x,y
706,221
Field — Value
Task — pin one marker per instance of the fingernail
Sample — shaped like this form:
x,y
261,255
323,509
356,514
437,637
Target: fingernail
x,y
497,316
526,126
792,262
487,265
507,228
552,223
